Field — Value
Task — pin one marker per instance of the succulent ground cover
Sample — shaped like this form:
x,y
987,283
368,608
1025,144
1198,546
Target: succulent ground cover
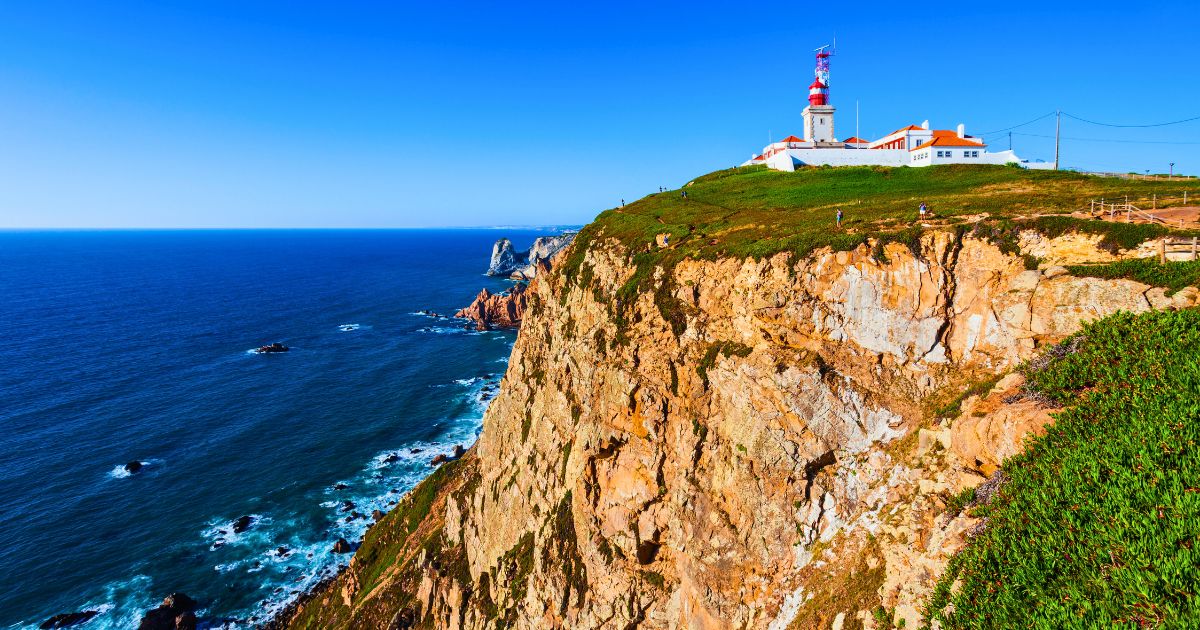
x,y
1097,523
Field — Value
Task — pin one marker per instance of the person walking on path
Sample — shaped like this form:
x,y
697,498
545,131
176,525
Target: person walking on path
x,y
839,218
683,194
622,203
924,209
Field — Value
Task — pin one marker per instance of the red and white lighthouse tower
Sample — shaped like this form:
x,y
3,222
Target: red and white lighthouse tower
x,y
818,116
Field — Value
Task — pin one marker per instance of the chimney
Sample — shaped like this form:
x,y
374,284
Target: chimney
x,y
925,125
962,130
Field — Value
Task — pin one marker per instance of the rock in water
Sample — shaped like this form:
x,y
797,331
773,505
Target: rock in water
x,y
66,620
507,261
458,451
176,612
242,524
341,546
504,258
133,467
497,310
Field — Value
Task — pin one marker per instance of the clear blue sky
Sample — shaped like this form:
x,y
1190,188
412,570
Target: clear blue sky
x,y
351,114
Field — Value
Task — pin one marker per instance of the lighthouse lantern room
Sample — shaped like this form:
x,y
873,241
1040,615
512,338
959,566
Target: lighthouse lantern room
x,y
818,116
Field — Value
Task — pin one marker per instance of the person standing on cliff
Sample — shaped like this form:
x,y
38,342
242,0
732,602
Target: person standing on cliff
x,y
683,193
924,209
839,218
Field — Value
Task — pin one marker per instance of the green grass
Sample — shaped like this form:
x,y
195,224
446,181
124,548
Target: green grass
x,y
1172,275
980,388
1098,523
756,212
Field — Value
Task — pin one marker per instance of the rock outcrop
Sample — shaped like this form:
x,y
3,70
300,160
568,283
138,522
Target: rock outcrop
x,y
67,620
176,612
742,444
497,310
507,261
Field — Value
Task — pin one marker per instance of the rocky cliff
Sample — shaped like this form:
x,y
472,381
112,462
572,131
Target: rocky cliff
x,y
507,261
497,310
737,443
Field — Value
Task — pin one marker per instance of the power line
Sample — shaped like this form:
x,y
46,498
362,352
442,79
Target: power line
x,y
1038,135
1092,122
1018,126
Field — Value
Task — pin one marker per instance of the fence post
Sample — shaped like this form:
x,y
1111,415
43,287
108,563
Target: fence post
x,y
1193,248
1162,252
1154,201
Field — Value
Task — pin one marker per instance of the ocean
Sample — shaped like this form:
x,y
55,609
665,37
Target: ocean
x,y
123,346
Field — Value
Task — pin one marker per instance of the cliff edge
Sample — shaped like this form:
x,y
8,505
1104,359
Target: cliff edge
x,y
740,431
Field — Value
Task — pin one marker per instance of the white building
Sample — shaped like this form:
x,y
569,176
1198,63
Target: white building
x,y
910,146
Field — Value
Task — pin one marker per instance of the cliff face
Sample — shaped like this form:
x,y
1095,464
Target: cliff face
x,y
748,444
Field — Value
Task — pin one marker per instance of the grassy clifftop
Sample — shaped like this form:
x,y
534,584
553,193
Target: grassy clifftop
x,y
755,211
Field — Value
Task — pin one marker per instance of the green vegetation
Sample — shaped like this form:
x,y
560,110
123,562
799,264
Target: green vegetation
x,y
517,564
562,550
850,582
755,212
725,349
566,457
979,388
385,543
1172,275
961,501
655,579
1099,520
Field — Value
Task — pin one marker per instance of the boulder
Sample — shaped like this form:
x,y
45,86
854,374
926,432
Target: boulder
x,y
66,620
376,515
458,451
176,612
439,459
242,524
133,467
341,546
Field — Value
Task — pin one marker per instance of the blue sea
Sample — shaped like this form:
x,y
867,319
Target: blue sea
x,y
122,346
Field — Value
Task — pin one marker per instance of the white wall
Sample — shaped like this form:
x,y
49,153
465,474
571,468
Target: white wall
x,y
844,157
790,159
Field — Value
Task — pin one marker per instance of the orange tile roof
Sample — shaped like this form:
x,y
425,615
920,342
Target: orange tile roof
x,y
854,140
949,141
792,139
908,128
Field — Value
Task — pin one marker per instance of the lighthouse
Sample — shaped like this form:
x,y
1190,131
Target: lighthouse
x,y
818,116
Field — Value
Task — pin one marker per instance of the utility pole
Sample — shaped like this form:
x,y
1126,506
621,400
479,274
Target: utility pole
x,y
1010,141
1057,128
1171,174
